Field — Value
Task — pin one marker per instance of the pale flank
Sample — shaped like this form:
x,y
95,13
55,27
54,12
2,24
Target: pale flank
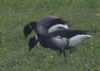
x,y
77,39
59,41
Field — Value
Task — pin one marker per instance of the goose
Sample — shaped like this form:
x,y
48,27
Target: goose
x,y
50,23
62,39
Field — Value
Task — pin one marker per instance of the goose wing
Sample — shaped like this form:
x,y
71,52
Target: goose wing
x,y
67,33
47,22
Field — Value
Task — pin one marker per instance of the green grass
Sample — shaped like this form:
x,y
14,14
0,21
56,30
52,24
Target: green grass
x,y
14,54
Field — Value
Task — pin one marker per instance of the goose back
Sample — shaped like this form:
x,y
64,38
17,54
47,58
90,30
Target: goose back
x,y
47,22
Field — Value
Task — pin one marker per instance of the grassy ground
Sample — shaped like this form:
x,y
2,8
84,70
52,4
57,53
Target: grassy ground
x,y
15,14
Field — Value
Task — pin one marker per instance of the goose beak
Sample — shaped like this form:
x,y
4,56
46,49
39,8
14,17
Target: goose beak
x,y
32,43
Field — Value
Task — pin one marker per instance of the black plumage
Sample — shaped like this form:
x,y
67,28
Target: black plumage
x,y
29,28
41,27
60,39
32,43
67,33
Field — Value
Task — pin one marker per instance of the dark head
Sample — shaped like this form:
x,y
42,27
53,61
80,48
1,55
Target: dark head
x,y
32,42
29,28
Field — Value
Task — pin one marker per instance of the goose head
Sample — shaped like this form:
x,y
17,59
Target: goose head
x,y
32,43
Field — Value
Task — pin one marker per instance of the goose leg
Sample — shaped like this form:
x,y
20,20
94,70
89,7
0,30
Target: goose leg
x,y
60,52
64,53
63,50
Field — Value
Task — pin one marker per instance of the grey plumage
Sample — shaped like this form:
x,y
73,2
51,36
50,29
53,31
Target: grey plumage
x,y
53,33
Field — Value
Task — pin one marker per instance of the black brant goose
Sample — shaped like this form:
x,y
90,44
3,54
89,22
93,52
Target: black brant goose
x,y
50,23
60,39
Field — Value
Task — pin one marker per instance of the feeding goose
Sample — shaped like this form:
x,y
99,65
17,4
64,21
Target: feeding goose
x,y
62,39
49,21
46,24
53,33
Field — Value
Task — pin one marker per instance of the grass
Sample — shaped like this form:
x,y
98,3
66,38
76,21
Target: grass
x,y
14,54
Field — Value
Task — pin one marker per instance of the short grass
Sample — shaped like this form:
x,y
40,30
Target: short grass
x,y
14,54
